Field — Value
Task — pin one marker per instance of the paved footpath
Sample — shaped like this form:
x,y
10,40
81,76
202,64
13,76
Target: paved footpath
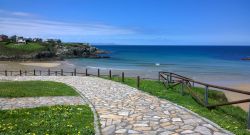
x,y
31,102
126,110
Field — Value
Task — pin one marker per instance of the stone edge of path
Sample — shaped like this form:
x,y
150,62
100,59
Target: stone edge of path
x,y
96,118
197,115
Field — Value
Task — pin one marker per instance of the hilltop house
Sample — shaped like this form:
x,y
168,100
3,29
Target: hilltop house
x,y
20,40
3,37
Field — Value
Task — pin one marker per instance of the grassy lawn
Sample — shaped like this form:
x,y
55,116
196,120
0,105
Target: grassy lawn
x,y
228,117
35,88
13,49
30,47
48,120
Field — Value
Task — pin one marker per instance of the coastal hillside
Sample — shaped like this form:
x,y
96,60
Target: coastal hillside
x,y
47,50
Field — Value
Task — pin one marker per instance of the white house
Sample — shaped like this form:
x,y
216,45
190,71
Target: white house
x,y
20,40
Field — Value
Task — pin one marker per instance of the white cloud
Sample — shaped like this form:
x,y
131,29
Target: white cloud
x,y
15,13
45,28
26,24
21,14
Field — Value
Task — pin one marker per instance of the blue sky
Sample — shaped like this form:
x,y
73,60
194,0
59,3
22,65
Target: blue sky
x,y
134,22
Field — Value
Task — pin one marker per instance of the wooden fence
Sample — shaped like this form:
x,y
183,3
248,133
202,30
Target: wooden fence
x,y
173,80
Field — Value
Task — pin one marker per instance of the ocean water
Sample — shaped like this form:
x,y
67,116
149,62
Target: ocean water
x,y
213,64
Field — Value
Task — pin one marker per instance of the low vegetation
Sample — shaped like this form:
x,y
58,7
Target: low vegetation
x,y
53,50
77,120
228,117
35,88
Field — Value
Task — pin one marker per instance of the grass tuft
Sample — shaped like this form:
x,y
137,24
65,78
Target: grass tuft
x,y
78,120
35,89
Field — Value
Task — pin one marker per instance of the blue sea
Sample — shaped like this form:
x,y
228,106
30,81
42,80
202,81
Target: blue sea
x,y
212,64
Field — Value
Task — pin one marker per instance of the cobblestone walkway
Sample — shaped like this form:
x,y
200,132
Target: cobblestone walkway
x,y
126,110
31,102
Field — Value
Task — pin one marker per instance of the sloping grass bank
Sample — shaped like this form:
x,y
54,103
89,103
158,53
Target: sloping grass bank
x,y
77,120
35,89
228,117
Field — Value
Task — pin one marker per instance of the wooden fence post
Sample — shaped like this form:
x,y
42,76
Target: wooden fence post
x,y
98,72
75,72
48,72
86,72
159,76
138,82
25,72
34,72
122,76
248,119
182,86
170,78
206,96
56,73
6,73
20,72
110,75
167,79
61,72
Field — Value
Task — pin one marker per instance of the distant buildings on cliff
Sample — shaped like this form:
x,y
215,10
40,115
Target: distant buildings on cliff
x,y
21,40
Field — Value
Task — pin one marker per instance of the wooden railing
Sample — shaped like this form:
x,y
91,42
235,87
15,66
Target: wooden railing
x,y
171,80
74,72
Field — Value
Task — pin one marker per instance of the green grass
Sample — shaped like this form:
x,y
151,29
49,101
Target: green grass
x,y
30,47
14,49
228,117
48,120
35,88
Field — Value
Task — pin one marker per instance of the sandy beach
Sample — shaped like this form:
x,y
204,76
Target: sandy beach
x,y
30,65
232,96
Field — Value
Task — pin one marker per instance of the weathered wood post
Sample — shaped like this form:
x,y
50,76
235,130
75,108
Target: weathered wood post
x,y
6,73
86,72
61,72
20,72
25,72
206,96
182,86
75,72
167,79
138,82
34,72
98,72
48,72
248,118
159,76
122,76
56,73
170,78
110,75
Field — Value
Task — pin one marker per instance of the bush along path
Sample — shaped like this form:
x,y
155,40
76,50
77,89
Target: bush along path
x,y
126,110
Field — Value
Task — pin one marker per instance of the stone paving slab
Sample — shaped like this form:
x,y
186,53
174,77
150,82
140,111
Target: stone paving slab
x,y
31,102
125,110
